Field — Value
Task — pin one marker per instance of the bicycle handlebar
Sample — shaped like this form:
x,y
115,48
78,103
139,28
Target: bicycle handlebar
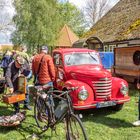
x,y
63,92
72,88
41,87
52,92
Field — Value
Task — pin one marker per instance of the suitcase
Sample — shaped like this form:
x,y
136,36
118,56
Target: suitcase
x,y
18,95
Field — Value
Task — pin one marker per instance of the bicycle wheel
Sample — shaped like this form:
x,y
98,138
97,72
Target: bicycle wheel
x,y
41,113
75,130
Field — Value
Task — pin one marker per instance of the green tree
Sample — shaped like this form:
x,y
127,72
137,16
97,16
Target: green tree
x,y
73,17
37,23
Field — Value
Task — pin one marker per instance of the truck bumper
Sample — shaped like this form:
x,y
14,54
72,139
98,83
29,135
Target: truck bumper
x,y
104,104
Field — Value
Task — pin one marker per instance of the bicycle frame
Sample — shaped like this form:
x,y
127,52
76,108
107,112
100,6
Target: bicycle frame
x,y
45,108
49,99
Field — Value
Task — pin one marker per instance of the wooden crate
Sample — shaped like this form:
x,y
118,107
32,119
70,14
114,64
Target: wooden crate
x,y
18,95
13,98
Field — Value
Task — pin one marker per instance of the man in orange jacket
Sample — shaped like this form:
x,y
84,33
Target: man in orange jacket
x,y
43,67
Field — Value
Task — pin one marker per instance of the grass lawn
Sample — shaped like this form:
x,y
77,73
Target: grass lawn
x,y
101,124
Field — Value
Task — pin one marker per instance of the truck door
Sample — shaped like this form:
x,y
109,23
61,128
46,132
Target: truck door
x,y
60,74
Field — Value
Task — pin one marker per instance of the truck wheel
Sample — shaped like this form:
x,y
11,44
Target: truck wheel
x,y
137,84
136,58
117,107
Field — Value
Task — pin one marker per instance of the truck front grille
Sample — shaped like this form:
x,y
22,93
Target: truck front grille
x,y
102,88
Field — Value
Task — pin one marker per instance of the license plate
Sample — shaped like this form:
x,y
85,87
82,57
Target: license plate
x,y
105,104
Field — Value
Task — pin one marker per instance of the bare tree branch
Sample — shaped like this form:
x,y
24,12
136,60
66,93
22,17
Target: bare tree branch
x,y
6,24
95,9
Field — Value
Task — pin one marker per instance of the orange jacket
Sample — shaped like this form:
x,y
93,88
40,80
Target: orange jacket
x,y
47,70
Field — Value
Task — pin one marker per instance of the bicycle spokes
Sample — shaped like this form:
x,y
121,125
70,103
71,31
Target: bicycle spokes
x,y
75,129
41,112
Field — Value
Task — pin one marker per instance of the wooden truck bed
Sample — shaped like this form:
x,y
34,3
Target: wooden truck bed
x,y
123,63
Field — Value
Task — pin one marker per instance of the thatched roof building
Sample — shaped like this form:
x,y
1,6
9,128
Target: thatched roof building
x,y
119,27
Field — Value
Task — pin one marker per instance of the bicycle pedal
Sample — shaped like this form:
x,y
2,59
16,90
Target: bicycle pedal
x,y
44,128
56,132
80,116
53,129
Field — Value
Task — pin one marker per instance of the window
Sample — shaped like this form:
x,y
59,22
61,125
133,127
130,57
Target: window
x,y
106,48
111,48
81,58
57,59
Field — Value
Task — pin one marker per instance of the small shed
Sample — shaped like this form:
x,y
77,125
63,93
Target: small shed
x,y
66,38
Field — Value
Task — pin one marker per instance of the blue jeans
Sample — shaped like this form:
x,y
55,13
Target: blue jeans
x,y
49,84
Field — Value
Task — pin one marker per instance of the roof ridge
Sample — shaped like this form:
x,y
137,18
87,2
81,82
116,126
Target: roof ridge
x,y
68,34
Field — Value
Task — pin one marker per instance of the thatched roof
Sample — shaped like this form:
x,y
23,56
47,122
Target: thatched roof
x,y
122,22
66,37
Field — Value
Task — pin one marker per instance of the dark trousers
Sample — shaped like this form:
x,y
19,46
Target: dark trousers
x,y
26,101
16,107
4,71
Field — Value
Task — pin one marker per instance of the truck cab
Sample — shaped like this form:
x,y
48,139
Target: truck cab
x,y
96,88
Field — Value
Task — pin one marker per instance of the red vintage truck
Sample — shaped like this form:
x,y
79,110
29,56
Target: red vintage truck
x,y
97,88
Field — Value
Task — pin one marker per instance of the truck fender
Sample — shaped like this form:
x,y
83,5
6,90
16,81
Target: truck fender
x,y
79,85
116,85
117,82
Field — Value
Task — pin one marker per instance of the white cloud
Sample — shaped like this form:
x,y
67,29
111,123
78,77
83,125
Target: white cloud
x,y
5,17
81,3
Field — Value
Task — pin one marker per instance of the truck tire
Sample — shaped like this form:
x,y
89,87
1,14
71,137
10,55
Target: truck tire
x,y
117,107
136,58
137,83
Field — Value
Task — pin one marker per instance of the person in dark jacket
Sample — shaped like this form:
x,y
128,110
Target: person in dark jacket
x,y
6,60
14,70
23,53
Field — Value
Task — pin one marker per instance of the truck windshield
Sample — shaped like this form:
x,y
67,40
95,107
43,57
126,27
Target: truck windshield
x,y
81,58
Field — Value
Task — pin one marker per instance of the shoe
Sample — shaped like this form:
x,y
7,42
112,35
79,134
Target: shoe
x,y
15,112
137,123
27,107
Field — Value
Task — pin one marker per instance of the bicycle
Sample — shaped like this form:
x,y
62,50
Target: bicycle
x,y
47,115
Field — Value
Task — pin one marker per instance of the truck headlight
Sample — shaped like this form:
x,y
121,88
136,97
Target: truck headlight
x,y
124,89
83,94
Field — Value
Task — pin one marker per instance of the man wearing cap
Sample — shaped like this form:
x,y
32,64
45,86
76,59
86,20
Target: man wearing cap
x,y
15,68
23,53
46,73
6,60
